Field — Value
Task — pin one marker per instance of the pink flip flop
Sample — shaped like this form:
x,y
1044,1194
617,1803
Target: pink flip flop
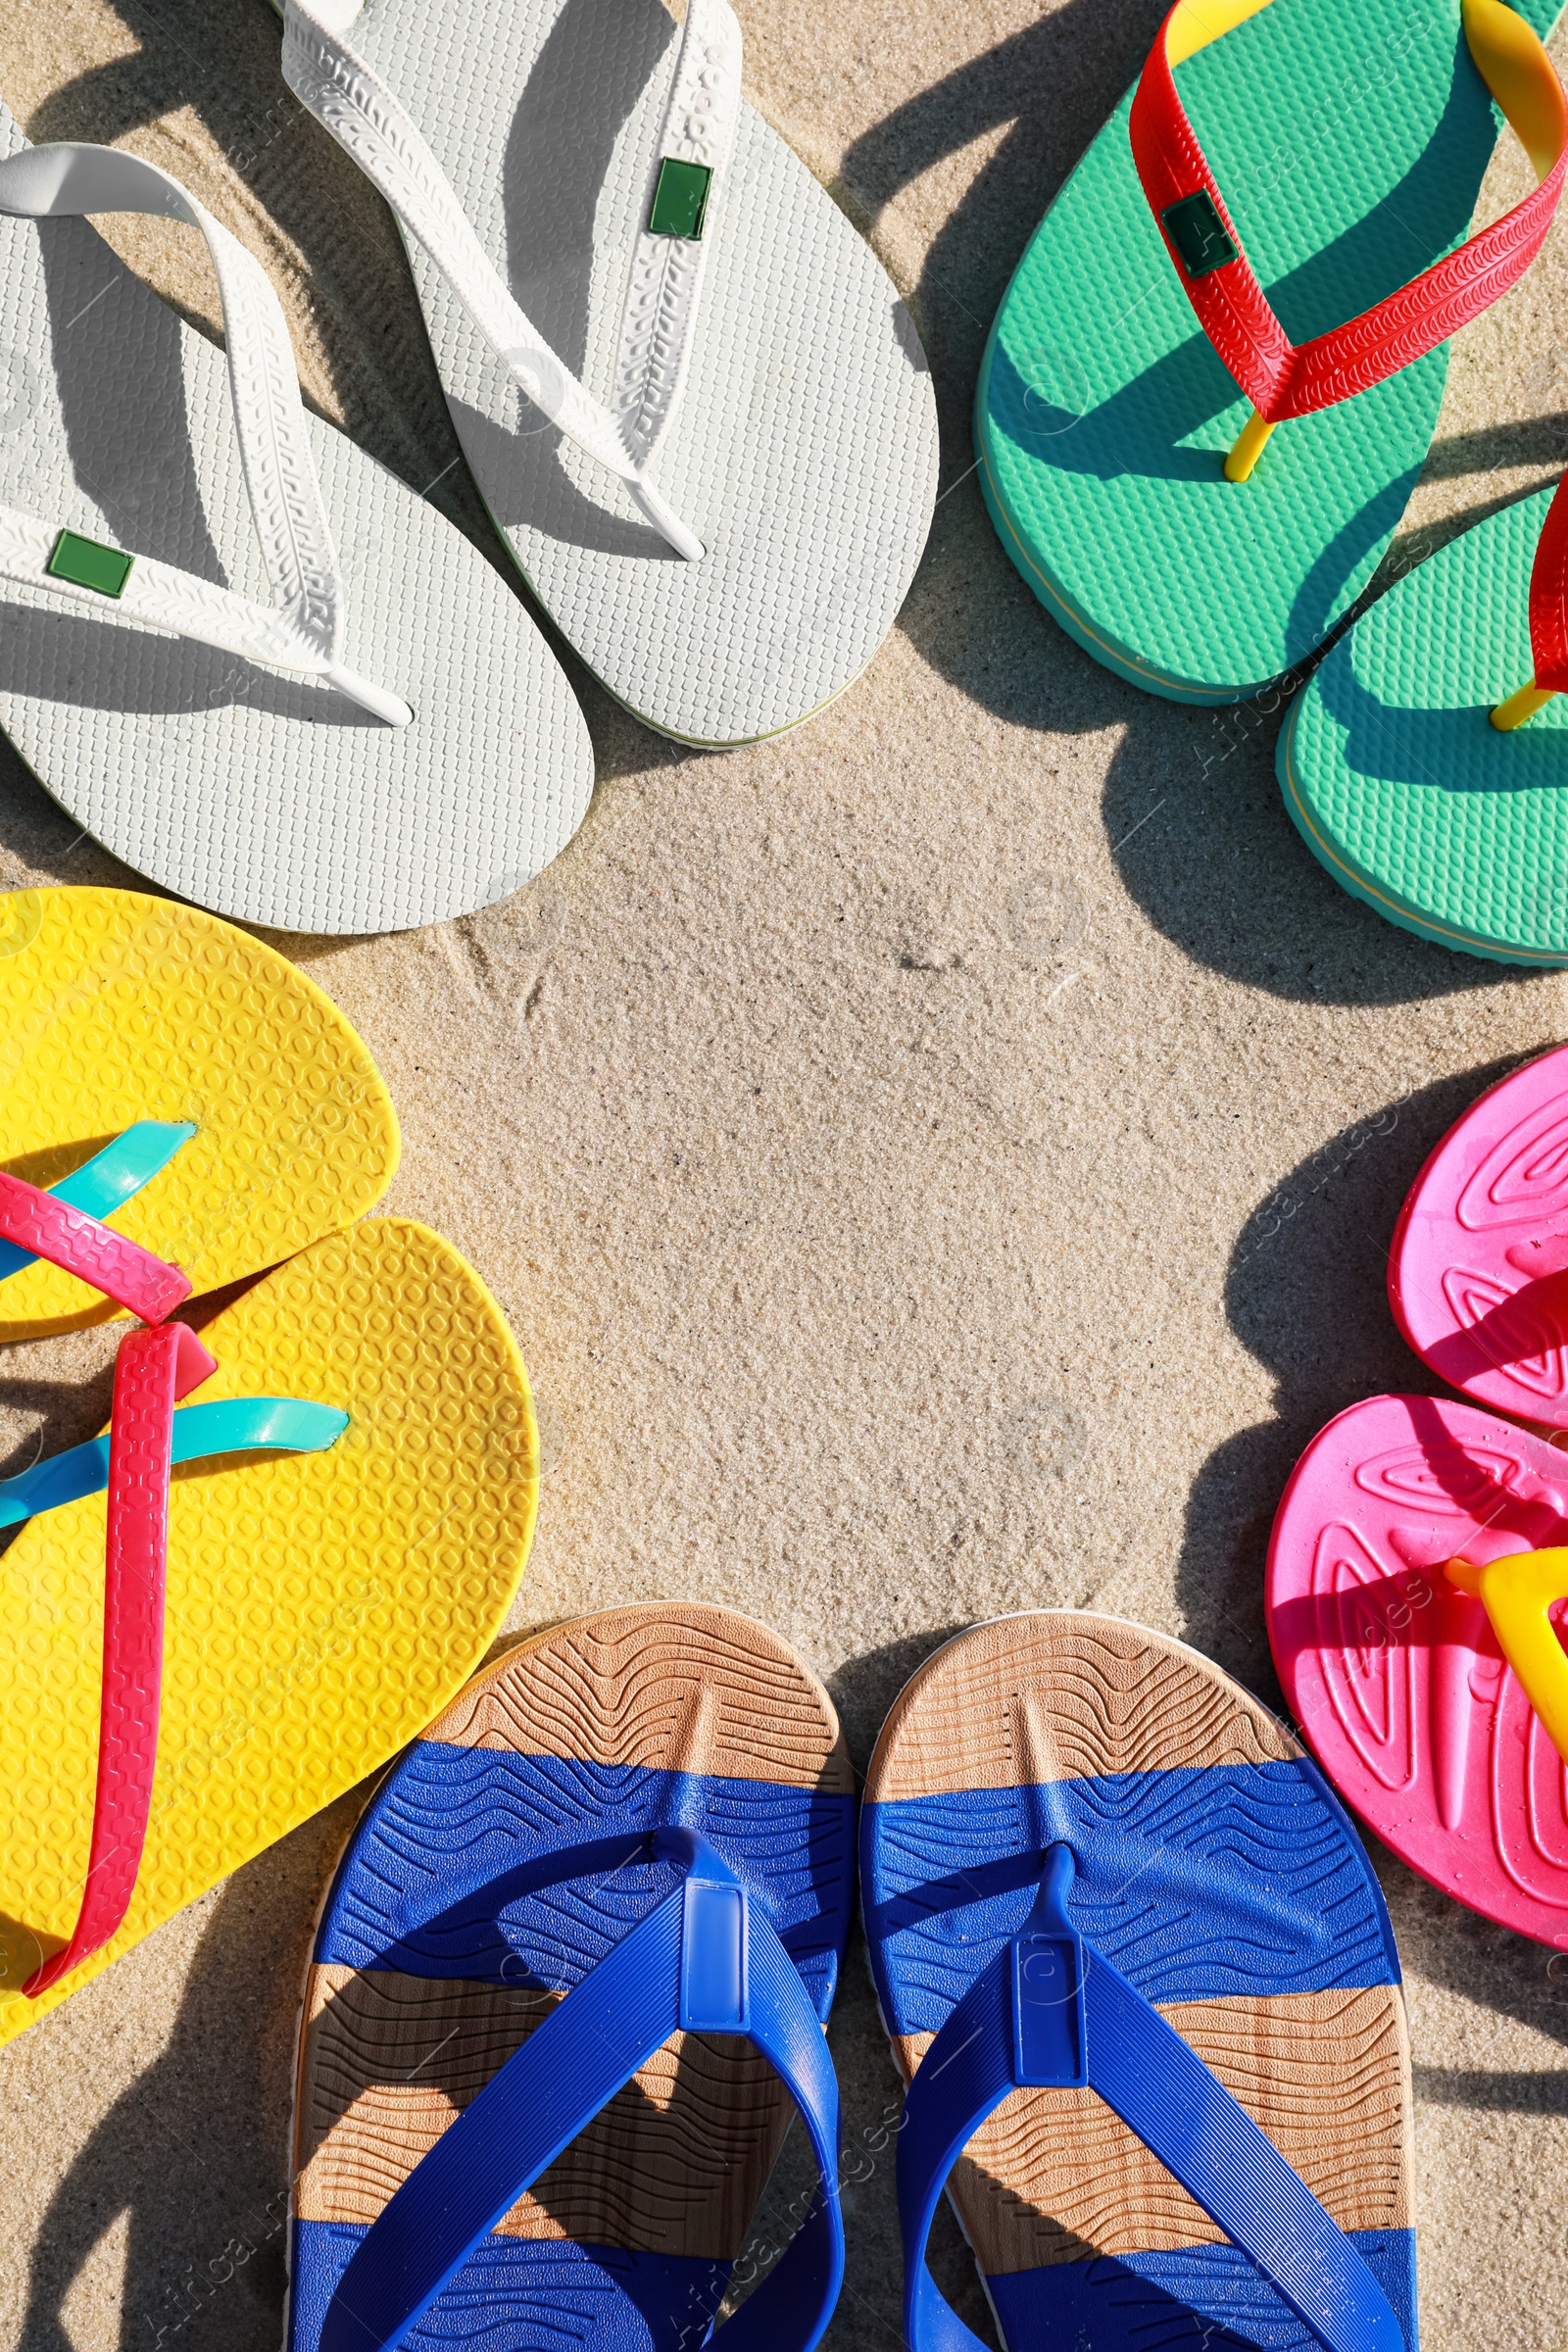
x,y
1478,1275
1414,1579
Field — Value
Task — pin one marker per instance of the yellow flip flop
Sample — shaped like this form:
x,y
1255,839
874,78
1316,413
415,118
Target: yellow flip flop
x,y
323,1604
167,1076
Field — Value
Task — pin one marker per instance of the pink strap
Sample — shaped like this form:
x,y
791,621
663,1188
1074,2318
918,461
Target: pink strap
x,y
152,1372
95,1253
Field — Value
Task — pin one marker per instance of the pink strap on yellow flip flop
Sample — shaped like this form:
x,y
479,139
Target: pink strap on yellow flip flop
x,y
1517,1594
132,1277
1285,379
152,1372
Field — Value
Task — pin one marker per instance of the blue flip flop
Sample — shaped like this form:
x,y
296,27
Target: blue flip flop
x,y
527,2113
1117,1921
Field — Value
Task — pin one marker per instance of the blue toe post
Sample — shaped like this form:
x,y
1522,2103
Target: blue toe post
x,y
706,1960
1049,2030
1051,2011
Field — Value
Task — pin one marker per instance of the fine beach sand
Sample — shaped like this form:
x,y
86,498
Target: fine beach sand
x,y
936,1163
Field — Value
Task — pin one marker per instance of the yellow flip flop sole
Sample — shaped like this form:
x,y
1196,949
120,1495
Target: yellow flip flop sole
x,y
117,1007
320,1609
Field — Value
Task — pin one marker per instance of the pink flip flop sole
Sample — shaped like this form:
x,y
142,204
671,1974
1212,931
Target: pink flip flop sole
x,y
1396,1678
1478,1275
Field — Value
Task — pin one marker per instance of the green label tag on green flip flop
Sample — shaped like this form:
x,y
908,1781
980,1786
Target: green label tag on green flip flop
x,y
1199,234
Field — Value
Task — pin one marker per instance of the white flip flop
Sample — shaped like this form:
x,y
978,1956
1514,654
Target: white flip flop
x,y
726,526
285,734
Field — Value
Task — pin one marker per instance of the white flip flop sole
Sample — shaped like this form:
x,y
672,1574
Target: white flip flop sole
x,y
268,798
803,451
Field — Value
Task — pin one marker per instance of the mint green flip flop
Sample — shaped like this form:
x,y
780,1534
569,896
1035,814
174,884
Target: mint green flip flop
x,y
1136,345
1427,761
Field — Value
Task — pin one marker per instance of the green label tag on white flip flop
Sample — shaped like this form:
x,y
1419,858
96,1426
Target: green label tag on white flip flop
x,y
90,564
679,200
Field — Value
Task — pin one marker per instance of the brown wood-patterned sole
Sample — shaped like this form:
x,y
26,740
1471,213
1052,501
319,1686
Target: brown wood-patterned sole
x,y
1055,2176
677,2160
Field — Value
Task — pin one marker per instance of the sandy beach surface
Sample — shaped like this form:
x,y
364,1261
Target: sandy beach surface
x,y
936,1163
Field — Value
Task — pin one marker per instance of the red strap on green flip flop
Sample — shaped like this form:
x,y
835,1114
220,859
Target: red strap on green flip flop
x,y
1285,379
1548,597
1549,622
152,1372
132,1277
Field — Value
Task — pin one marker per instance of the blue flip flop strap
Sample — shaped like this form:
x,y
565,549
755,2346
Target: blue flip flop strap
x,y
108,1180
705,1960
243,1425
1051,2010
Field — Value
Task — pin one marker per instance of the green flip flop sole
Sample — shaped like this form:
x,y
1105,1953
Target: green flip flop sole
x,y
1396,777
1350,138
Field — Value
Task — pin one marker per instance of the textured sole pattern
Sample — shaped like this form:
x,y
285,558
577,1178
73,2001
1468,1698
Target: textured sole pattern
x,y
1029,1700
1055,2177
1399,782
521,2294
1478,1274
1397,1676
804,451
439,1953
116,1008
320,1609
665,2169
1218,1873
1104,415
1208,2296
268,799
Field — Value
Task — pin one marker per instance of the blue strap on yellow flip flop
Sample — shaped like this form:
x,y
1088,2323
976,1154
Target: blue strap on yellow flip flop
x,y
243,1425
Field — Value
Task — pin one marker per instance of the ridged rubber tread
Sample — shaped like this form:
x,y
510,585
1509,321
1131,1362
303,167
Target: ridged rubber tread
x,y
1055,2177
320,1609
671,2165
1476,1270
1350,142
116,1007
1399,782
272,800
101,1259
804,451
675,2163
1398,1677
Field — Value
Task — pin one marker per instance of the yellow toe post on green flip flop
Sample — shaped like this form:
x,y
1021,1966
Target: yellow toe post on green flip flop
x,y
1308,182
1427,761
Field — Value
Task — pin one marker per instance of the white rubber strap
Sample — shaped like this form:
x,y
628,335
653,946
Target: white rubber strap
x,y
302,632
660,318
